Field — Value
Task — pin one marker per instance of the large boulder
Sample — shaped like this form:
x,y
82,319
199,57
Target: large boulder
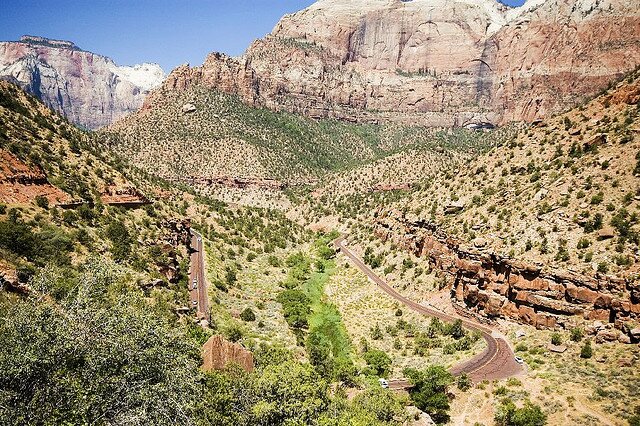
x,y
218,353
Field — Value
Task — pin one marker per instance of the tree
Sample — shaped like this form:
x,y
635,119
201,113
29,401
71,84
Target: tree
x,y
429,392
247,315
530,414
455,329
120,238
577,334
289,393
378,362
586,351
319,350
99,357
376,332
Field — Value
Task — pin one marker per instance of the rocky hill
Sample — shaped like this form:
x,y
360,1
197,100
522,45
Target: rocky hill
x,y
542,228
435,62
205,137
89,89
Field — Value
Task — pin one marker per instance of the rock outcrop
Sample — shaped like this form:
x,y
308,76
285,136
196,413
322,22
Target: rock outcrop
x,y
21,183
434,62
494,286
89,89
218,353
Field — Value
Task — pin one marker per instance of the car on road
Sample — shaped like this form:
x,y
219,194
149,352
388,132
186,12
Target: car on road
x,y
383,383
519,360
195,284
195,303
199,239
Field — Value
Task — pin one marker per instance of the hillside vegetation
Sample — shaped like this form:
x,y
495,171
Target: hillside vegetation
x,y
94,323
224,137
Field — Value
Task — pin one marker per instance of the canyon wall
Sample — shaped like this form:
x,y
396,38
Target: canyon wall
x,y
433,62
494,286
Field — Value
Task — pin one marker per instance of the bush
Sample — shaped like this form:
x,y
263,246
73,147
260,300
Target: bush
x,y
247,315
42,202
463,382
234,333
120,238
376,332
577,334
530,414
556,339
587,351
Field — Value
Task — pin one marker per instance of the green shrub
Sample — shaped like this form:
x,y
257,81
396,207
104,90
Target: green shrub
x,y
247,315
42,202
577,334
586,351
507,414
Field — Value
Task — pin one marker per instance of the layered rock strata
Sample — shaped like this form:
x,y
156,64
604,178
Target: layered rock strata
x,y
434,62
494,286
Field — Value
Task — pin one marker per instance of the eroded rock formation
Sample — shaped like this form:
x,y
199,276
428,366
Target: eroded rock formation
x,y
218,353
494,286
21,183
435,62
89,89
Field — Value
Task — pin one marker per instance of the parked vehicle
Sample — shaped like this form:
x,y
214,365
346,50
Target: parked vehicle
x,y
519,360
383,383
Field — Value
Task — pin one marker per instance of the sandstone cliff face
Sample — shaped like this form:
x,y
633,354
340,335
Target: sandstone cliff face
x,y
435,62
494,286
91,90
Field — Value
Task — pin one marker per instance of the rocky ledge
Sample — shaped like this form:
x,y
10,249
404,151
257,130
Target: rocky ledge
x,y
491,285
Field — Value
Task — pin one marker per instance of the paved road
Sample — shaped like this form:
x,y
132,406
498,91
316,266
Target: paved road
x,y
197,273
494,363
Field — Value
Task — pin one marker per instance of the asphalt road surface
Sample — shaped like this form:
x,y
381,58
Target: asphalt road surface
x,y
494,363
197,275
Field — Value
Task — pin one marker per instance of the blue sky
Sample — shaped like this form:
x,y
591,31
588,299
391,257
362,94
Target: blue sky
x,y
169,32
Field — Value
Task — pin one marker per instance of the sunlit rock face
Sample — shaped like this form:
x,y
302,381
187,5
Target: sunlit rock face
x,y
435,62
89,89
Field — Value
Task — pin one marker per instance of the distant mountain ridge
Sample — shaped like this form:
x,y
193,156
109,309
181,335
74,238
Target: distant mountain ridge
x,y
434,62
89,89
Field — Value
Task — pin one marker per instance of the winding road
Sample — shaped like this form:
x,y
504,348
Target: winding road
x,y
197,275
494,363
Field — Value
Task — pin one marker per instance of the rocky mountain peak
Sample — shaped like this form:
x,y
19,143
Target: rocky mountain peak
x,y
90,89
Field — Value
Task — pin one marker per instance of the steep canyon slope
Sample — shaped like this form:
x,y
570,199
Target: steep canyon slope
x,y
439,63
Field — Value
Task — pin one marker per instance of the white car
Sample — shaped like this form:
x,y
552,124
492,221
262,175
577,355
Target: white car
x,y
519,360
195,303
195,284
383,383
199,239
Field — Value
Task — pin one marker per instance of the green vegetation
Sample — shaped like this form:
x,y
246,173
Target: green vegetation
x,y
429,391
508,414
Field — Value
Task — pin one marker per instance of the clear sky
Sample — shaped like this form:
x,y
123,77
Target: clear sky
x,y
169,32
